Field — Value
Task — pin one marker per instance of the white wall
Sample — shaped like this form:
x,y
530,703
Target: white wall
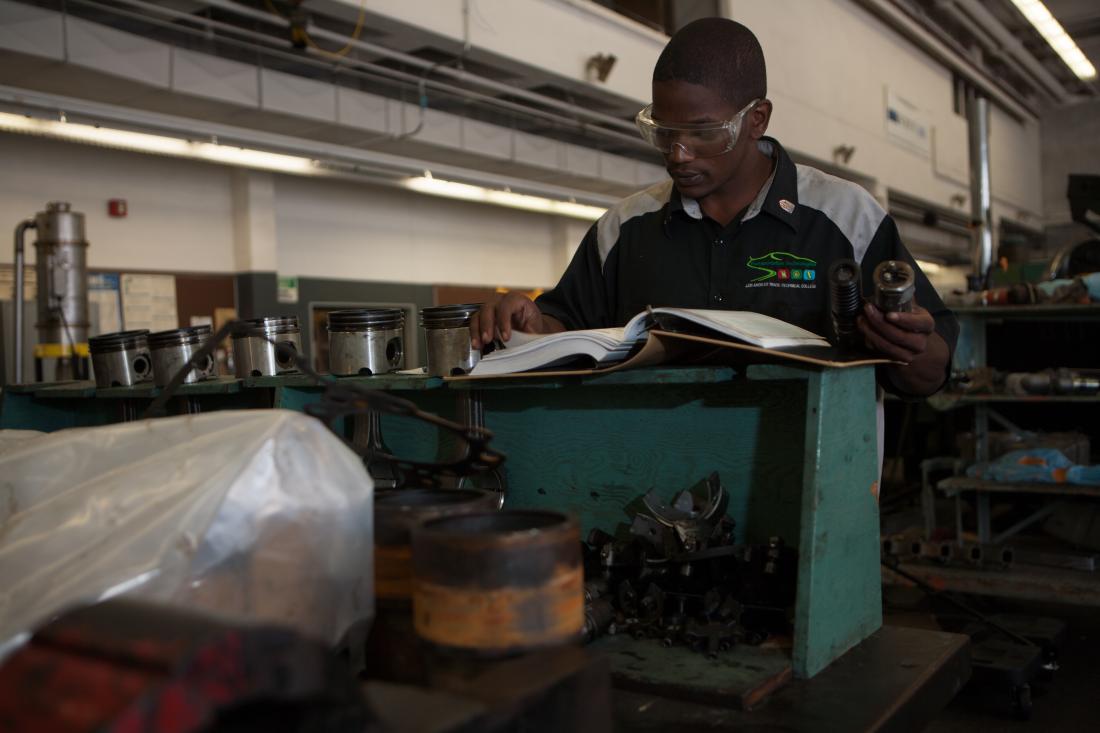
x,y
1071,144
331,228
181,212
829,65
186,217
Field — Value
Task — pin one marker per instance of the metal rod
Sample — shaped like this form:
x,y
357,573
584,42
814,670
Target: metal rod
x,y
931,591
20,235
1025,523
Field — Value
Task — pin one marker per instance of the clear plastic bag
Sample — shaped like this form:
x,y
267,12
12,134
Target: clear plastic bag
x,y
258,515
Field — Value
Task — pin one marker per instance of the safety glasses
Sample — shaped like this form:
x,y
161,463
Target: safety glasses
x,y
702,140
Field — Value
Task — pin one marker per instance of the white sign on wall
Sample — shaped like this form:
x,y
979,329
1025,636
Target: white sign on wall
x,y
149,302
907,125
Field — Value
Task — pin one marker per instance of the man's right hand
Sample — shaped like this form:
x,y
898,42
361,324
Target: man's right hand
x,y
514,310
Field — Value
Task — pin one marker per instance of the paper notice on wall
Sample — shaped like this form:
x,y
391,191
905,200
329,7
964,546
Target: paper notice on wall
x,y
149,302
907,124
104,294
7,283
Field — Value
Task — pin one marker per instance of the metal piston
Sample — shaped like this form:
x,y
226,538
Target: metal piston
x,y
447,331
121,359
172,350
366,341
267,346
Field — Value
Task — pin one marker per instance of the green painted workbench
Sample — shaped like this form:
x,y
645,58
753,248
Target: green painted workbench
x,y
796,449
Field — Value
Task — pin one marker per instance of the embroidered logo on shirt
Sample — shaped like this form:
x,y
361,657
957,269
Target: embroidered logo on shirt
x,y
786,206
783,270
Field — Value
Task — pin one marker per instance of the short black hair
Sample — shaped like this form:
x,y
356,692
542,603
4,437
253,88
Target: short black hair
x,y
718,53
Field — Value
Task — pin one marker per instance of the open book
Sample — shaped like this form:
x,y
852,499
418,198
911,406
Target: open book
x,y
605,347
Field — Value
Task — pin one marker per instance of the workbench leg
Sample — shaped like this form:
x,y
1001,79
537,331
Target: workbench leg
x,y
839,587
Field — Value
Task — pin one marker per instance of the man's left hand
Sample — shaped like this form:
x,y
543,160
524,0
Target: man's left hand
x,y
900,336
910,338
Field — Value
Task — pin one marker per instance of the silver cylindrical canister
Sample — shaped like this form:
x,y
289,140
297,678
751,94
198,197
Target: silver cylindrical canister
x,y
447,331
264,347
171,350
121,359
366,341
62,272
895,284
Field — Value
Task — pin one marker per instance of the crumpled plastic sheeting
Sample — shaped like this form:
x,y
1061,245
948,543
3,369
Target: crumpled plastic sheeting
x,y
257,515
1044,465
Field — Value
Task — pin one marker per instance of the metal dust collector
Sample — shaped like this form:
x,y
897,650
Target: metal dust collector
x,y
61,269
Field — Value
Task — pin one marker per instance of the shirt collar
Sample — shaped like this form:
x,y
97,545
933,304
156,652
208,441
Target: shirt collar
x,y
778,196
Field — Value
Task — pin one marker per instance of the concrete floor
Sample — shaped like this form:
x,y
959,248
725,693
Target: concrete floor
x,y
1068,703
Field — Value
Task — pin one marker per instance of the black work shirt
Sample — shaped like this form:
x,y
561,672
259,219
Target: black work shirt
x,y
659,248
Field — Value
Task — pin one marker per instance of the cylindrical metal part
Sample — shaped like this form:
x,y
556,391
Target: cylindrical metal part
x,y
121,359
895,284
18,272
981,191
447,331
171,350
366,341
846,296
62,272
396,513
490,585
393,650
264,347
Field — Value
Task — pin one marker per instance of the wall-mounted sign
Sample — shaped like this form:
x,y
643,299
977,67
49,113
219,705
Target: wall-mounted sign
x,y
287,291
907,124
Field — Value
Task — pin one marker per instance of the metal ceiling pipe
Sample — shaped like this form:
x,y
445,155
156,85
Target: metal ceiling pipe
x,y
970,13
435,68
941,47
275,46
981,217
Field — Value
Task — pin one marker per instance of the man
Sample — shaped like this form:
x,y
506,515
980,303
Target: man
x,y
738,226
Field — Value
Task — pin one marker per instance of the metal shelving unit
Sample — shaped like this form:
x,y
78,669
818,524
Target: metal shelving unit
x,y
1021,580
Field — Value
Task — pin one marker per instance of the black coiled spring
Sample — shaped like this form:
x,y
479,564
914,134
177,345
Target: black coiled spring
x,y
845,295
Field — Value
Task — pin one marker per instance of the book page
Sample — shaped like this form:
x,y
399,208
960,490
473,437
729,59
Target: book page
x,y
755,328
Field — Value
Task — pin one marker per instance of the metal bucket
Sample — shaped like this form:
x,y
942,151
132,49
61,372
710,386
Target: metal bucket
x,y
366,341
171,350
121,359
447,331
254,354
495,584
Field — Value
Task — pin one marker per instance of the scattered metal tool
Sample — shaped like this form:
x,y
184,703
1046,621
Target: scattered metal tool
x,y
674,574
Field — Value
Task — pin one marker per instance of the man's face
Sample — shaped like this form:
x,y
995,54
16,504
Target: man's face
x,y
678,102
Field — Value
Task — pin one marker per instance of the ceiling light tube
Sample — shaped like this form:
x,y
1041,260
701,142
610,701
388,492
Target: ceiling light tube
x,y
467,192
1049,27
157,144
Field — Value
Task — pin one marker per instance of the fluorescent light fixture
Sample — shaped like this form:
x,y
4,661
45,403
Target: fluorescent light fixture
x,y
250,158
466,192
1049,27
929,268
157,144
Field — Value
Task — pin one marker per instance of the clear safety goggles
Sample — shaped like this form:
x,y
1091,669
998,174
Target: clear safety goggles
x,y
699,140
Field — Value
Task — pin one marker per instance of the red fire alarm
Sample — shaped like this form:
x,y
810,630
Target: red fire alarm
x,y
117,208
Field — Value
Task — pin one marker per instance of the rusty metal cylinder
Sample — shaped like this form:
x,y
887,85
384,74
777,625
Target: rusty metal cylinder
x,y
396,513
393,651
493,585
